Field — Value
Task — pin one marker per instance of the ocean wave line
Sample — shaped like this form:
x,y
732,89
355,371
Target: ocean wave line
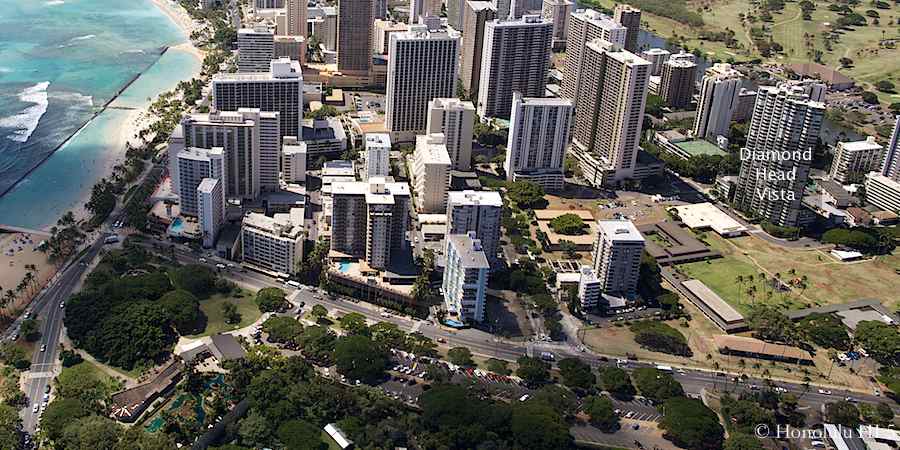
x,y
25,122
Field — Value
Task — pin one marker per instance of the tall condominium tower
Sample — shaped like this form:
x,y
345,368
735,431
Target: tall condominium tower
x,y
853,160
251,144
585,25
557,12
378,152
657,57
278,90
421,66
354,35
256,49
194,165
423,8
679,75
455,119
295,17
465,278
775,163
431,173
478,212
376,209
629,17
455,18
476,15
293,160
617,256
538,135
210,210
891,165
610,112
719,96
516,57
505,9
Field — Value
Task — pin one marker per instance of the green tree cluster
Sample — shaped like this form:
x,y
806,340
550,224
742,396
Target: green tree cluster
x,y
659,337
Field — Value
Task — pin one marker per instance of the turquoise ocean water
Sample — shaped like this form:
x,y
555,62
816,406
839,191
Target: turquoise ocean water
x,y
60,62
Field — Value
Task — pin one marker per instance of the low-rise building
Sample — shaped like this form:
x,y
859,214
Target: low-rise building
x,y
852,160
293,160
324,137
273,245
883,192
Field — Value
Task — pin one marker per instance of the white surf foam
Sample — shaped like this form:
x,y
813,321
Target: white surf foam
x,y
25,122
54,2
84,38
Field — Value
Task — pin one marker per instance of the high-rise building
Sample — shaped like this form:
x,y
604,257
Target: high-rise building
x,y
195,165
291,47
557,12
630,18
269,4
251,143
744,109
354,35
210,210
589,288
505,9
617,257
890,167
657,57
476,16
515,58
431,173
419,9
325,28
380,9
719,95
383,31
455,119
174,147
278,90
775,163
422,66
883,192
465,278
273,244
610,112
295,17
853,160
585,25
376,209
378,155
293,160
256,49
679,76
538,135
479,212
455,17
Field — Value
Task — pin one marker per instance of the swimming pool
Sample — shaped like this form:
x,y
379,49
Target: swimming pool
x,y
177,227
344,266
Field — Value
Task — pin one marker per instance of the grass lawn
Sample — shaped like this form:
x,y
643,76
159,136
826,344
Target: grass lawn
x,y
212,307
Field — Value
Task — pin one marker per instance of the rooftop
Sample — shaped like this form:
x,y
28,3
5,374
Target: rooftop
x,y
703,215
699,147
470,251
620,230
487,198
867,144
208,184
756,346
713,301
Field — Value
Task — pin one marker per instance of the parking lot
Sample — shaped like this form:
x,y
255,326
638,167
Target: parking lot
x,y
637,409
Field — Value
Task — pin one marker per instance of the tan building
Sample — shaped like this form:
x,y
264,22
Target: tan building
x,y
853,160
475,16
585,25
376,209
273,244
295,17
431,173
455,119
630,18
557,12
679,75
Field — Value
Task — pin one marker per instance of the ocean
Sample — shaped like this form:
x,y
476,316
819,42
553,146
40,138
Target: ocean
x,y
60,62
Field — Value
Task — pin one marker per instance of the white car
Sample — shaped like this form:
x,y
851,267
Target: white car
x,y
43,348
824,392
35,408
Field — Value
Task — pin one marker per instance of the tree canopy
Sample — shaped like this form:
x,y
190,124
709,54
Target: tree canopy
x,y
271,299
532,371
617,382
881,341
568,224
660,337
576,373
656,385
688,423
603,415
359,358
525,194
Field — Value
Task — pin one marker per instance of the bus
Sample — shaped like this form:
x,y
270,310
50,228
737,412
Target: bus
x,y
666,369
292,284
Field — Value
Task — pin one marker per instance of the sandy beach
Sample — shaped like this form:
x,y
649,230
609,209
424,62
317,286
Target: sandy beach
x,y
178,15
16,251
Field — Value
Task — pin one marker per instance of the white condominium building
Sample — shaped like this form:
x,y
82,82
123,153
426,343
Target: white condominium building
x,y
211,210
256,49
853,160
273,244
194,165
617,256
890,167
586,25
719,98
557,12
610,112
515,58
657,57
455,119
478,212
422,65
278,90
376,209
293,160
378,155
538,136
589,289
883,192
431,173
465,278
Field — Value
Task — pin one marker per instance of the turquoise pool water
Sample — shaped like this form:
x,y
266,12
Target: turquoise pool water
x,y
177,227
344,266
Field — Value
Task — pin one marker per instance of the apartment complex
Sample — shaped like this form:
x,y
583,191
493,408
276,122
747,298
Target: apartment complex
x,y
278,90
455,119
478,212
586,25
421,67
210,210
678,78
719,96
378,155
775,163
475,16
376,209
515,58
630,18
617,257
883,192
273,244
296,17
538,136
256,49
431,173
853,160
195,165
589,288
610,113
657,57
890,167
293,160
557,12
465,278
354,37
